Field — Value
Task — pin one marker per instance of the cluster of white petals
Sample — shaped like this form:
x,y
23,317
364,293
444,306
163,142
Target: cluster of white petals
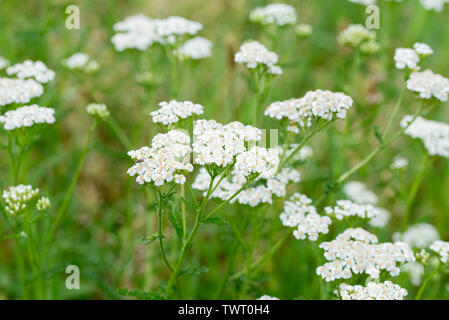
x,y
373,291
166,160
98,110
256,161
347,208
359,192
80,61
43,204
254,54
423,49
279,14
140,32
4,63
17,197
299,213
420,235
215,143
381,219
406,58
435,5
399,163
31,69
435,135
27,116
428,85
323,104
19,90
173,111
354,35
356,251
441,248
195,49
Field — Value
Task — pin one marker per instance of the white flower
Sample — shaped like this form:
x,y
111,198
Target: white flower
x,y
359,192
172,29
196,49
422,49
166,160
373,291
323,104
435,5
80,61
19,91
354,35
347,208
276,13
428,85
415,270
43,204
173,111
27,116
300,214
356,251
441,248
435,135
98,110
406,58
253,54
303,30
399,163
17,197
3,63
419,236
381,219
265,297
256,161
30,69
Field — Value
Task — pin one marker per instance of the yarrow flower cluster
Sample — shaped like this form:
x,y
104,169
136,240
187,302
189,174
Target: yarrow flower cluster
x,y
359,192
166,160
303,30
98,110
27,116
428,84
442,249
43,204
373,291
299,213
347,208
406,58
356,251
140,32
19,90
195,49
80,61
381,219
354,35
420,235
253,55
173,111
30,69
435,5
399,163
3,63
276,14
435,135
17,198
256,161
218,144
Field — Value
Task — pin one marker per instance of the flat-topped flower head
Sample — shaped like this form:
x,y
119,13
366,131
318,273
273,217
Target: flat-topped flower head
x,y
4,63
429,85
422,49
399,163
303,30
255,55
166,160
299,213
173,29
195,49
420,235
43,204
323,104
434,5
134,23
356,251
81,61
278,14
373,291
98,110
19,91
284,110
174,111
354,35
27,116
442,249
359,192
17,198
347,208
256,161
406,58
135,32
218,144
32,69
434,135
381,219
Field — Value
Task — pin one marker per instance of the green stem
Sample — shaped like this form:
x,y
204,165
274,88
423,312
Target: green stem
x,y
160,210
183,211
119,133
426,281
68,194
395,111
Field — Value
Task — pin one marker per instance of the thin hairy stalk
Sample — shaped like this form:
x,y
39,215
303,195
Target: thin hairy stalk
x,y
183,212
68,194
395,111
426,282
322,284
119,133
160,211
414,189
